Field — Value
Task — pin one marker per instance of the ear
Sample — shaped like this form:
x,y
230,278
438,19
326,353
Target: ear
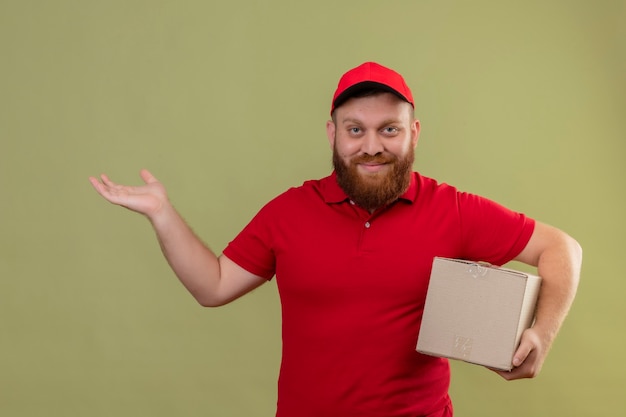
x,y
330,132
415,132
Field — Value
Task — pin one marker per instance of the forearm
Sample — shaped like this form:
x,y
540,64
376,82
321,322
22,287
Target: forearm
x,y
195,265
558,259
559,266
212,281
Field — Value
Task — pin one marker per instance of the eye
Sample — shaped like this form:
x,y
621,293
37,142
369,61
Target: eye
x,y
390,130
354,130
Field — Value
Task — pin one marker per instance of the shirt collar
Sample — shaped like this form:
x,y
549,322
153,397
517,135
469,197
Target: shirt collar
x,y
333,193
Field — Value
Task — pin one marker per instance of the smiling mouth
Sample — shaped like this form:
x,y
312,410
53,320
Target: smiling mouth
x,y
370,167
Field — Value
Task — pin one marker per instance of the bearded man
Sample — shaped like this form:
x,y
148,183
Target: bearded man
x,y
352,255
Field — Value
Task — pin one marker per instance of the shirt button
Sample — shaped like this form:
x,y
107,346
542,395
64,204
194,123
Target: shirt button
x,y
367,225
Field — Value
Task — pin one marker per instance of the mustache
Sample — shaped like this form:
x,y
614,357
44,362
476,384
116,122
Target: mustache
x,y
374,159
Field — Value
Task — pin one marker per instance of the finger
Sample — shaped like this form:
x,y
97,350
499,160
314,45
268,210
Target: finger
x,y
101,188
508,375
107,181
522,353
95,183
528,369
147,177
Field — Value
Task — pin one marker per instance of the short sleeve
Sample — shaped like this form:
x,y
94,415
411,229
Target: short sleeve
x,y
252,249
491,232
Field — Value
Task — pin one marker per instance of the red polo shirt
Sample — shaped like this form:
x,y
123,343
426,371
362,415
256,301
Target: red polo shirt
x,y
352,287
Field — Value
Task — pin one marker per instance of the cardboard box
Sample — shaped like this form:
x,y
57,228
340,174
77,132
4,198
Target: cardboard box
x,y
476,312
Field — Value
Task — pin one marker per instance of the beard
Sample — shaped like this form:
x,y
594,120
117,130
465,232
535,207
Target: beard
x,y
375,190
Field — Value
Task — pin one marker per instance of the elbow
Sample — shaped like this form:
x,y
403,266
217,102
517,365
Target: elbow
x,y
568,247
560,252
212,300
572,258
577,254
205,303
209,296
574,250
208,299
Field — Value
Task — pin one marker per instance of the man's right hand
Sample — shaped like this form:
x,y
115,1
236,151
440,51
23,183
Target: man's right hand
x,y
148,199
211,280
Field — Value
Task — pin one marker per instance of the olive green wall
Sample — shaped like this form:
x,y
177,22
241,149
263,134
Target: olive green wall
x,y
225,102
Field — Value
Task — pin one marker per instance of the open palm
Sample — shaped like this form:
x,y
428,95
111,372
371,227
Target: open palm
x,y
146,199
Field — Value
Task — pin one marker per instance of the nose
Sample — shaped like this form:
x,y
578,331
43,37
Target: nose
x,y
372,144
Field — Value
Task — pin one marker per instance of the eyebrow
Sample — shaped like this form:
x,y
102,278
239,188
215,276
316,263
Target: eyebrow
x,y
360,122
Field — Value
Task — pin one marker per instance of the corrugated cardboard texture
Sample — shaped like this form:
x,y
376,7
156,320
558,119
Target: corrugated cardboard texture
x,y
476,313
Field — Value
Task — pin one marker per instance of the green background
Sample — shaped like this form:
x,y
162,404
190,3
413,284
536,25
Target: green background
x,y
225,102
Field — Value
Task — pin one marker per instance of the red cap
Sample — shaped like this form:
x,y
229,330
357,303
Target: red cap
x,y
370,74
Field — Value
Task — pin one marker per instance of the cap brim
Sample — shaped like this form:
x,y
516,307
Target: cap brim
x,y
365,85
